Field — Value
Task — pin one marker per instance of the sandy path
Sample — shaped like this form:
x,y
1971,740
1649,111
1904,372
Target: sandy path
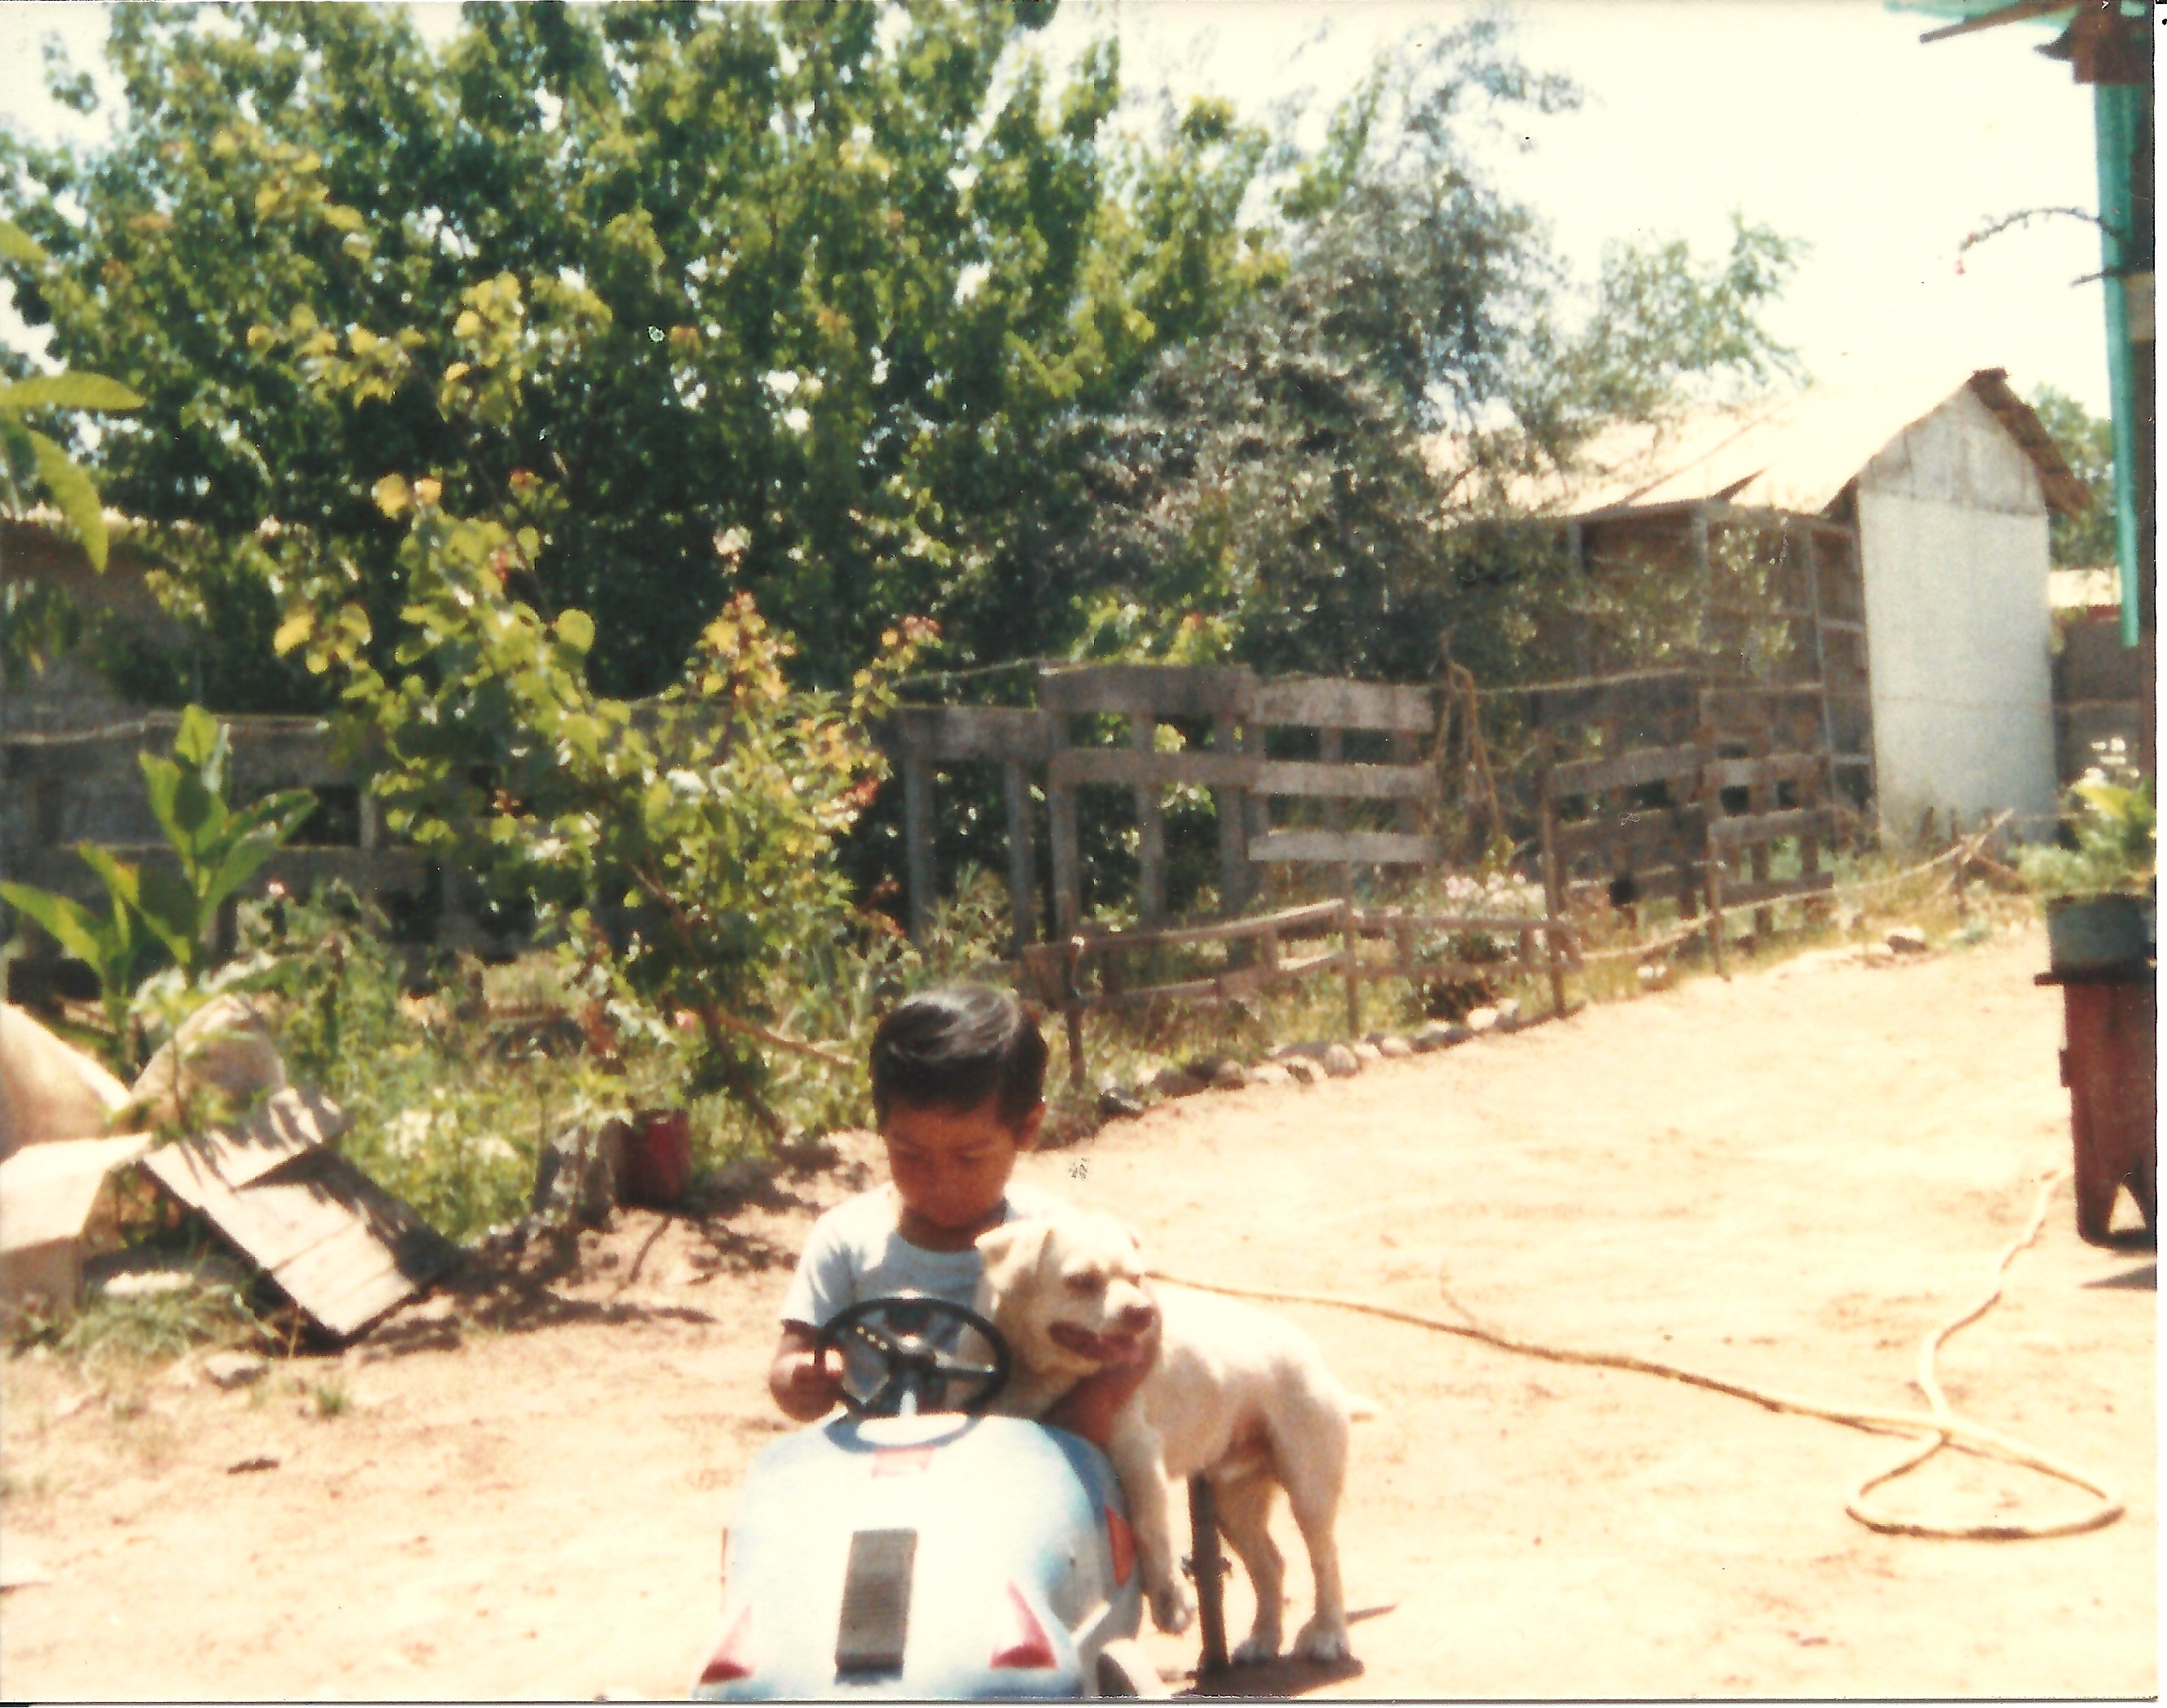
x,y
1784,1180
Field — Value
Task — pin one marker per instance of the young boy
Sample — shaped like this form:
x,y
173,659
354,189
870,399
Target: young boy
x,y
958,1078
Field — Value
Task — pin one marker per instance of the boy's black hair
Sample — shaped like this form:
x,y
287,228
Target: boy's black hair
x,y
953,1049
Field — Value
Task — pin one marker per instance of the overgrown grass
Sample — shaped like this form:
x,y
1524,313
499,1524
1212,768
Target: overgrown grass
x,y
111,1331
1124,1049
454,1091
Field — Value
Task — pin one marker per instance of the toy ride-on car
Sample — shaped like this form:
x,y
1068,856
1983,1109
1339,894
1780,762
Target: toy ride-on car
x,y
916,1545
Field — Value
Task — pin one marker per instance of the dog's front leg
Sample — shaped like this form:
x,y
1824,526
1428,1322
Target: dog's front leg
x,y
1140,1461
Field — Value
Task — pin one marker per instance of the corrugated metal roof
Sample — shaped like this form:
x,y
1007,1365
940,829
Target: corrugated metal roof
x,y
1796,453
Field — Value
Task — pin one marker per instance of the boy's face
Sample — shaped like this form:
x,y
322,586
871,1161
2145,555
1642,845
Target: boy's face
x,y
952,1166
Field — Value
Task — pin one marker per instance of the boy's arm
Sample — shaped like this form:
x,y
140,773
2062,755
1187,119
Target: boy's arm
x,y
805,1384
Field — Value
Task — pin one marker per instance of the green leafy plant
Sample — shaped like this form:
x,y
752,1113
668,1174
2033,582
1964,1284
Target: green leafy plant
x,y
154,910
219,848
2113,831
690,842
29,459
113,944
112,1328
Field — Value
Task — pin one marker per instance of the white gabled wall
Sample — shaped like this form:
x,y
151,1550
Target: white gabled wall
x,y
1952,539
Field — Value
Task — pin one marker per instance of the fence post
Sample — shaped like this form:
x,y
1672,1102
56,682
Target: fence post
x,y
1151,830
1068,879
1762,799
1072,1013
1959,877
1329,751
1023,862
917,839
1230,807
1352,956
1711,798
1553,904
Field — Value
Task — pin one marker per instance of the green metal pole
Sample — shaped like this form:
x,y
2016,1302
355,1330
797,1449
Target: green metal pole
x,y
2115,116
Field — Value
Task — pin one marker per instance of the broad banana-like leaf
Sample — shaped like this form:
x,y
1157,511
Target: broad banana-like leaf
x,y
2129,805
169,907
201,739
122,881
161,778
240,863
71,491
279,816
190,815
68,390
72,926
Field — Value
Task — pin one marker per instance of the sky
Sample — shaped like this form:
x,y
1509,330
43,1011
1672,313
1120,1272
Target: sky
x,y
1826,119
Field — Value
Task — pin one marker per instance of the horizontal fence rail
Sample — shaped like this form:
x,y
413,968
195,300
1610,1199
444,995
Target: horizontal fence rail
x,y
1056,974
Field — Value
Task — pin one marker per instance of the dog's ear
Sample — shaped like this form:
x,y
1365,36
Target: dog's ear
x,y
1012,1249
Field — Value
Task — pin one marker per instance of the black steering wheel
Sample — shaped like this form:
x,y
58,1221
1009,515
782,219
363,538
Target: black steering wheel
x,y
908,1340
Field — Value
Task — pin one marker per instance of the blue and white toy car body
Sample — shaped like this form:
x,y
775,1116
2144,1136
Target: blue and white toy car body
x,y
933,1555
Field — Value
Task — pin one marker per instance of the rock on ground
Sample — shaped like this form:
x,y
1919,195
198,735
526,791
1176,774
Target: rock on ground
x,y
1340,1062
1175,1082
1440,1035
1119,1103
235,1369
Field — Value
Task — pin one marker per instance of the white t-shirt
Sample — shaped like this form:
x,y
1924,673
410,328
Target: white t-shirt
x,y
856,1251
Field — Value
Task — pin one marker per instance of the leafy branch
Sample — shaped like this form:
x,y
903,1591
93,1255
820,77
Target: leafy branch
x,y
29,460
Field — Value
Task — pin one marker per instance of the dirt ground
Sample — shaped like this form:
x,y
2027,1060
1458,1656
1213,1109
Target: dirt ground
x,y
1786,1180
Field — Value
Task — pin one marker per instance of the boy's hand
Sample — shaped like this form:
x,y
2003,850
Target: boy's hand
x,y
805,1379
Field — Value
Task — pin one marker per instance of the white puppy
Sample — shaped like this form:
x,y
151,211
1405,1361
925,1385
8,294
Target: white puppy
x,y
1237,1395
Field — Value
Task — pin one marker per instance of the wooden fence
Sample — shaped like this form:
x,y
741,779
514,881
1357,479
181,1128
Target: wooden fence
x,y
1059,974
1693,788
1658,782
1054,743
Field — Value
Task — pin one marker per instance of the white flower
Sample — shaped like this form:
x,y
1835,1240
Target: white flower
x,y
410,1134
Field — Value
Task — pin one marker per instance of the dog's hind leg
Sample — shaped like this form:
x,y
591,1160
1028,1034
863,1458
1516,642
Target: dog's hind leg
x,y
1245,1514
1313,1495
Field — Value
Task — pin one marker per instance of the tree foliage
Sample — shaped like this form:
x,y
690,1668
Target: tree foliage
x,y
34,463
688,843
830,279
855,308
2086,442
1335,479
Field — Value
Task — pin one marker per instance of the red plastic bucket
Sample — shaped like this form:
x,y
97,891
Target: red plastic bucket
x,y
657,1158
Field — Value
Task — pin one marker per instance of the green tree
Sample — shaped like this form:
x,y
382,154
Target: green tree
x,y
1334,479
686,844
846,274
2086,442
